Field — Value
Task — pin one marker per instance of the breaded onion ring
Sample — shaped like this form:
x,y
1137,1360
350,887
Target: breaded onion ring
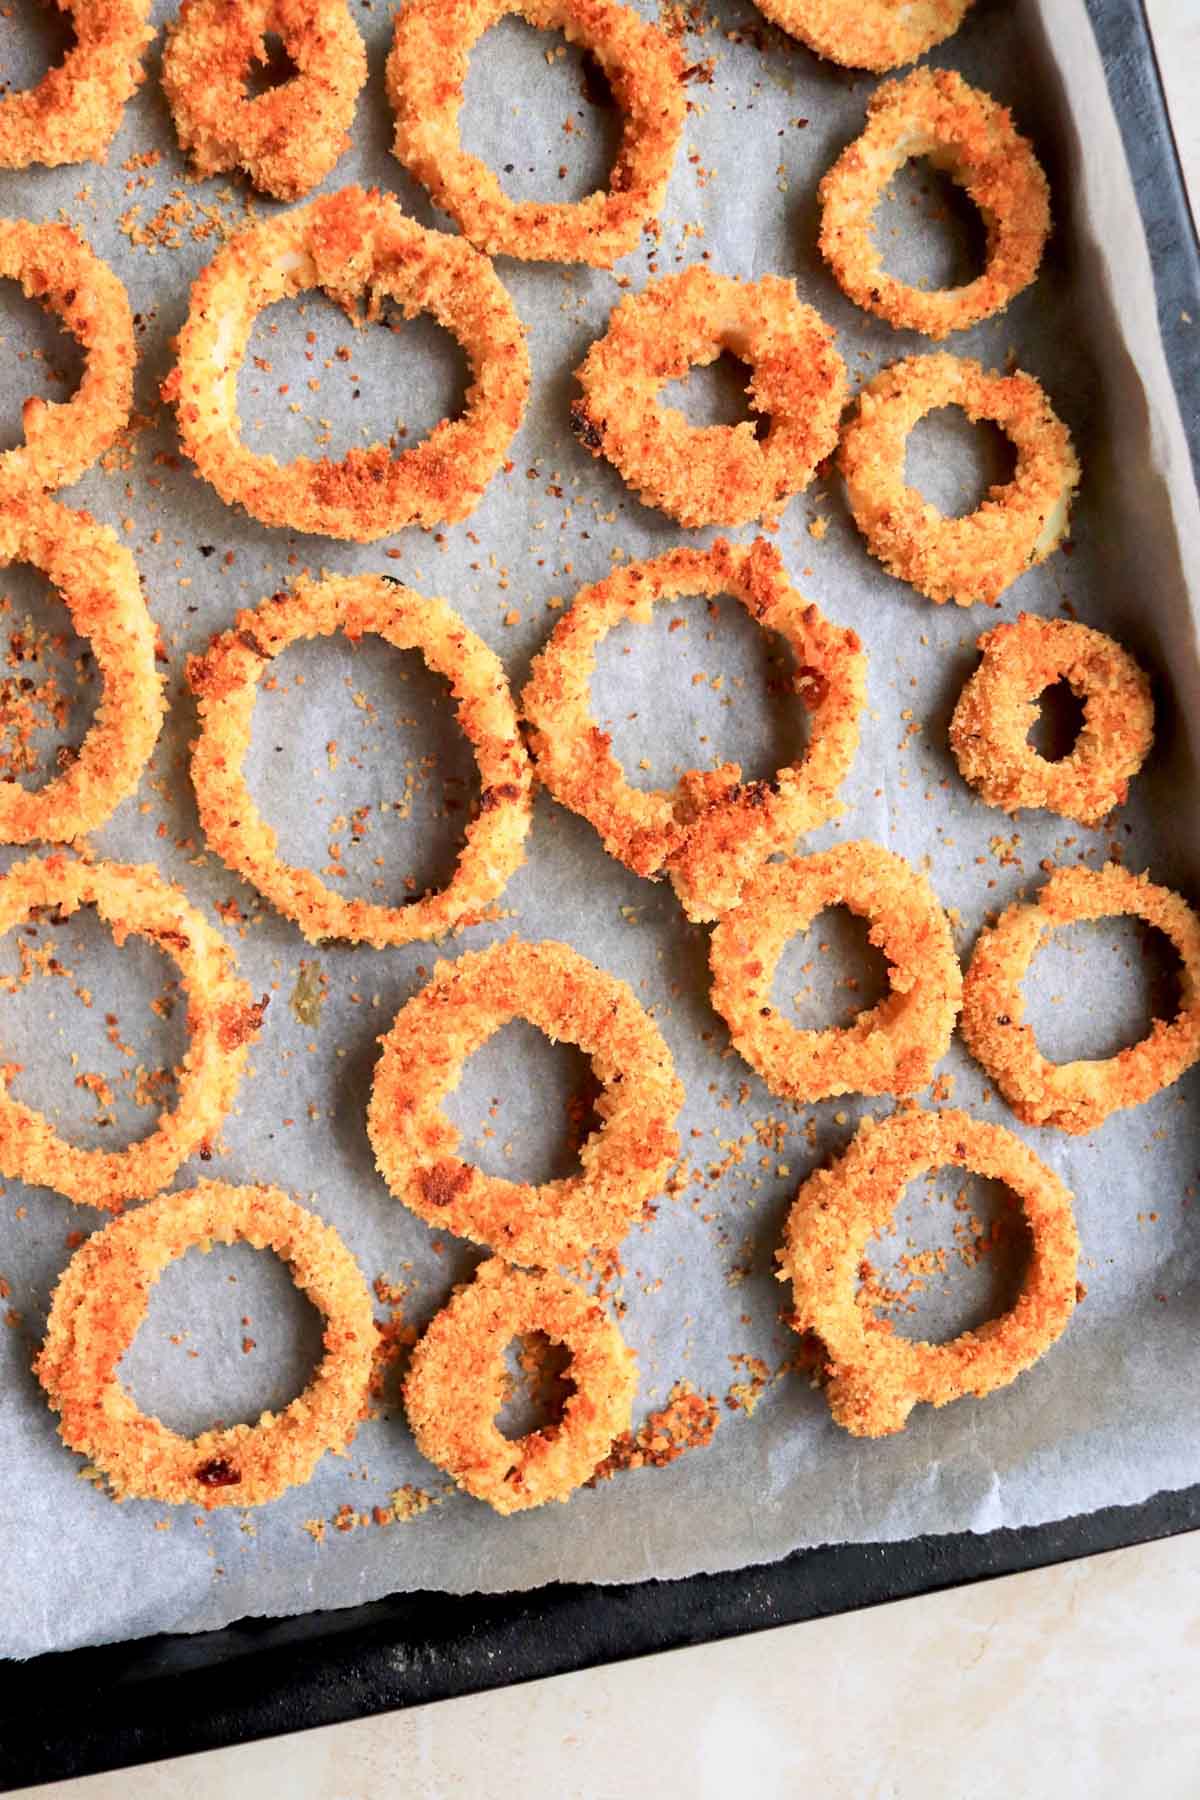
x,y
426,70
712,474
287,139
64,437
1078,1096
97,580
456,1382
891,1048
997,709
100,1302
935,114
74,112
874,1377
713,829
868,34
349,244
222,1021
624,1164
225,681
1019,523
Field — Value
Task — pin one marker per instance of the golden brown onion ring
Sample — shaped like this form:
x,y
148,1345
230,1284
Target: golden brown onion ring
x,y
868,34
75,111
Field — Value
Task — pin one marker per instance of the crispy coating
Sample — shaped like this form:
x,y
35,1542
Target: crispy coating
x,y
225,681
891,1048
1017,525
712,474
713,829
289,138
223,1021
873,1377
997,709
100,1302
351,244
456,1380
935,114
868,34
426,70
624,1164
1078,1096
74,112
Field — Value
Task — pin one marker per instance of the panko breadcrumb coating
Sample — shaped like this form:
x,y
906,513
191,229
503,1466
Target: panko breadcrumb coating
x,y
868,34
75,111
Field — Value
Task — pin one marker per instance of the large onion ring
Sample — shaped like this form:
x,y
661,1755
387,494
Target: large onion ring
x,y
713,830
891,1048
1078,1096
74,112
1019,523
869,34
350,243
101,1299
934,113
624,1164
222,1021
426,70
712,474
225,680
456,1379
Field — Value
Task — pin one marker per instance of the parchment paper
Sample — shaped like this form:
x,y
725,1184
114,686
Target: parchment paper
x,y
1109,1415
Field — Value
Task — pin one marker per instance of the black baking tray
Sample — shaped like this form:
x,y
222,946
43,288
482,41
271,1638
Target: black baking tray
x,y
122,1704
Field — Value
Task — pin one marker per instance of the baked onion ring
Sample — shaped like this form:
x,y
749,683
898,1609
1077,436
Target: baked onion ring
x,y
1019,523
74,112
350,243
289,138
101,1299
713,830
1078,1096
426,71
935,114
871,34
891,1048
997,709
712,474
222,1021
624,1164
225,680
456,1381
873,1377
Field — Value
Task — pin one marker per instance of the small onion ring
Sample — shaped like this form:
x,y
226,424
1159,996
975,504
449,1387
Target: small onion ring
x,y
456,1381
289,138
225,680
74,112
1078,1096
222,1021
712,474
874,1377
426,72
997,709
891,1048
869,34
100,1302
713,830
624,1164
1020,522
349,243
935,114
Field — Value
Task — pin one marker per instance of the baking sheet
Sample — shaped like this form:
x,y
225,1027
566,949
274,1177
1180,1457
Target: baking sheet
x,y
1108,1416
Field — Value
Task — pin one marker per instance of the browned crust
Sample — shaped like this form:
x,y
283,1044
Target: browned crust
x,y
868,34
75,111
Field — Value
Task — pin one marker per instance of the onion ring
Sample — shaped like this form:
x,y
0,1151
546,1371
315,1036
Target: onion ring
x,y
97,580
1020,522
74,112
935,114
712,474
101,1299
713,830
225,681
871,34
1078,1096
891,1048
223,1021
456,1378
289,138
426,70
989,732
346,244
874,1378
624,1164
